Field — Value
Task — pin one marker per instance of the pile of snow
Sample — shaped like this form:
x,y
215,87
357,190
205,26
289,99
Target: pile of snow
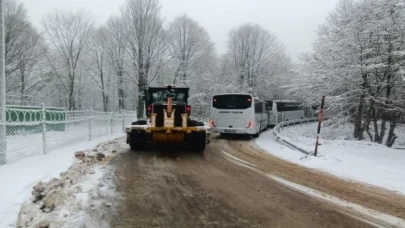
x,y
20,177
66,201
363,161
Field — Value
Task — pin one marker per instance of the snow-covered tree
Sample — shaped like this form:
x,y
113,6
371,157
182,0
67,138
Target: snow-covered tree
x,y
146,42
255,58
188,43
67,34
23,50
357,62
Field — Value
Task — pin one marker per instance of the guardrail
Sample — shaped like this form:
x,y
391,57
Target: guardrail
x,y
279,127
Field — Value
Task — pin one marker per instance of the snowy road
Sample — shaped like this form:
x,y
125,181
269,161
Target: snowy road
x,y
164,188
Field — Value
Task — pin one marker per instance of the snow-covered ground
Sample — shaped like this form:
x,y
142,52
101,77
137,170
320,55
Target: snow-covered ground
x,y
17,179
340,155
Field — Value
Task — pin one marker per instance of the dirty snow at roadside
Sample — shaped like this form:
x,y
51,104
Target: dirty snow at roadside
x,y
17,179
363,161
82,196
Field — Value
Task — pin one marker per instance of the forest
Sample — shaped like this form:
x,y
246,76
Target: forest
x,y
357,62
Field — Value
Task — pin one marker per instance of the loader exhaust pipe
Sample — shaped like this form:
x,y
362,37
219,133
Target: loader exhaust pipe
x,y
169,100
169,105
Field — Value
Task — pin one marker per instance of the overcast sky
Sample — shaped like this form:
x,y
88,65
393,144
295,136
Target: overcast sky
x,y
293,21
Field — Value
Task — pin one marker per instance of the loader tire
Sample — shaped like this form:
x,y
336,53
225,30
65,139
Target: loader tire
x,y
195,123
140,122
199,141
135,142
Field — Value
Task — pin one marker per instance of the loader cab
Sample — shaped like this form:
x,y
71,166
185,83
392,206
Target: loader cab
x,y
156,102
160,94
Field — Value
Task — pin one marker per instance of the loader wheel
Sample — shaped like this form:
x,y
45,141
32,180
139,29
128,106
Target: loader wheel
x,y
195,123
135,142
199,141
140,122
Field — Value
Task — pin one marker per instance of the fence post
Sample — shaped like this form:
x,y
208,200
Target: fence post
x,y
43,120
90,118
123,120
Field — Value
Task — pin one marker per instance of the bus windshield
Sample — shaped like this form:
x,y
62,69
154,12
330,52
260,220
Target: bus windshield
x,y
232,101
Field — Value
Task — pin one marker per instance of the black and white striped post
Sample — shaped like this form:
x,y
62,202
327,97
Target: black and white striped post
x,y
319,126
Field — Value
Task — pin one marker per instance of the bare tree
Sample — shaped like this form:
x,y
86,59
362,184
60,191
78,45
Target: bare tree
x,y
115,44
188,42
66,35
99,62
23,49
146,41
251,48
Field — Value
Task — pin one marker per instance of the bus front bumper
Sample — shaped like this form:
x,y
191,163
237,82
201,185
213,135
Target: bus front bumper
x,y
241,131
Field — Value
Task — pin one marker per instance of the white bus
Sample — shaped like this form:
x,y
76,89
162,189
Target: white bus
x,y
238,114
284,110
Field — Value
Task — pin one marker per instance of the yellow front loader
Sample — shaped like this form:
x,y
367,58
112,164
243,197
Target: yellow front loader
x,y
168,121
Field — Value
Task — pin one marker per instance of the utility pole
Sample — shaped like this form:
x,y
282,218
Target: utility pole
x,y
3,142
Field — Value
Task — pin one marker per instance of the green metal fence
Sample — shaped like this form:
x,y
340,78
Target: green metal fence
x,y
27,119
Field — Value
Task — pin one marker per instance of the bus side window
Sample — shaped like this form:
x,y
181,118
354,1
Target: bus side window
x,y
258,108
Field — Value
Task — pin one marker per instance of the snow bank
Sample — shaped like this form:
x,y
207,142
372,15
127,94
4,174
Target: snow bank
x,y
79,197
363,161
344,131
17,179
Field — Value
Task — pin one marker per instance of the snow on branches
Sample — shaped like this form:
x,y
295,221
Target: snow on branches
x,y
357,61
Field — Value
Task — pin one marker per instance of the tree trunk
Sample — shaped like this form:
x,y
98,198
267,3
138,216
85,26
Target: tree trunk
x,y
366,124
141,87
176,75
121,94
376,131
358,131
107,102
383,128
72,105
22,89
391,135
385,116
105,105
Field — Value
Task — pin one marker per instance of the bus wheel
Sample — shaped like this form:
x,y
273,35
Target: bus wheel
x,y
257,134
